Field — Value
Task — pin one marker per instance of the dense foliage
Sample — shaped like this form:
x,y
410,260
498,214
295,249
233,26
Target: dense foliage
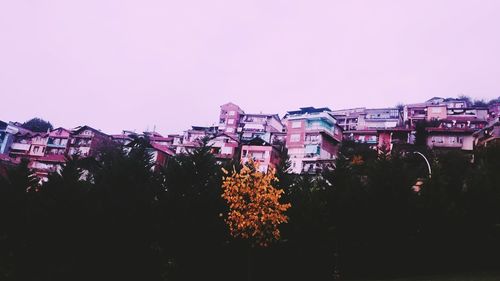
x,y
37,125
116,218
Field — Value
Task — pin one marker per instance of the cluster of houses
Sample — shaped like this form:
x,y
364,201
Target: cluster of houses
x,y
310,136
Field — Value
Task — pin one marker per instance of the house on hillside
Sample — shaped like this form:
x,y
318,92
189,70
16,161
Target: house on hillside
x,y
313,137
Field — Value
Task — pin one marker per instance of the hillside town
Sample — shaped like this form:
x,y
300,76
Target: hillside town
x,y
309,136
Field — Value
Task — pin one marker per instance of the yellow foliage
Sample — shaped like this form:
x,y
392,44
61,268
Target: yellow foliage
x,y
254,208
357,160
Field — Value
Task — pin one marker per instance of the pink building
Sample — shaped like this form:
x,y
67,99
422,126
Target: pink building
x,y
494,110
490,134
87,141
38,144
229,117
382,139
192,138
160,155
455,132
224,146
21,145
433,109
395,138
259,125
262,152
58,142
44,165
312,139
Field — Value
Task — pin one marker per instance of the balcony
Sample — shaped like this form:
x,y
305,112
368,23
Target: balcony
x,y
447,144
56,145
20,146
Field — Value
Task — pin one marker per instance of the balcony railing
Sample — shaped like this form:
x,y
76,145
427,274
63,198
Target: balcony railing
x,y
447,144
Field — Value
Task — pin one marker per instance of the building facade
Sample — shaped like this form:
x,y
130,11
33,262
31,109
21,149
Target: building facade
x,y
313,136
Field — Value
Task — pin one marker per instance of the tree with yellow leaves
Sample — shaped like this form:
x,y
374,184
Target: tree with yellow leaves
x,y
255,212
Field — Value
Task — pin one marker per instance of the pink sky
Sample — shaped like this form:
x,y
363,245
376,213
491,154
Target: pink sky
x,y
135,64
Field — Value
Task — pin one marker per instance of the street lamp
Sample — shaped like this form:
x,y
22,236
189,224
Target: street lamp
x,y
426,161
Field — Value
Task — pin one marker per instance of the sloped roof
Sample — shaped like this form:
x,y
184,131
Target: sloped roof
x,y
85,127
162,148
256,141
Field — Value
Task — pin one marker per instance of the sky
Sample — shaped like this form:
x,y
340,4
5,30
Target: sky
x,y
144,64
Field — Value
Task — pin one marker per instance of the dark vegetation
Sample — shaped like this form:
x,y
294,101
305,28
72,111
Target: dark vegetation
x,y
114,218
37,125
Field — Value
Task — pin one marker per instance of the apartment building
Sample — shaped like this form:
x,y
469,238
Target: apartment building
x,y
224,146
259,125
457,130
86,141
262,152
192,138
58,141
488,135
433,109
312,140
229,118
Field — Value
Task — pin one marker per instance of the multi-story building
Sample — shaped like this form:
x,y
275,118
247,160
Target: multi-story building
x,y
192,138
122,139
455,132
375,127
229,118
38,144
46,164
433,109
494,110
8,132
379,118
224,146
5,137
87,141
489,134
160,154
58,141
21,144
312,138
258,125
262,152
348,118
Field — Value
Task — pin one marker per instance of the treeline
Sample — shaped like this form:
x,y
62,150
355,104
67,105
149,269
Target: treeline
x,y
118,218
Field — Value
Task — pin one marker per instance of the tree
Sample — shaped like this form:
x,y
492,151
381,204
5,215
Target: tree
x,y
37,125
192,231
480,103
254,208
466,98
255,212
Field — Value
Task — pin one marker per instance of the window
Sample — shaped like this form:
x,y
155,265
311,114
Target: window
x,y
295,138
35,149
312,138
438,139
232,113
230,121
436,109
296,124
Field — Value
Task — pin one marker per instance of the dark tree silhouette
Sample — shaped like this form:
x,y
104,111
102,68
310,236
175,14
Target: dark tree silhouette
x,y
37,125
